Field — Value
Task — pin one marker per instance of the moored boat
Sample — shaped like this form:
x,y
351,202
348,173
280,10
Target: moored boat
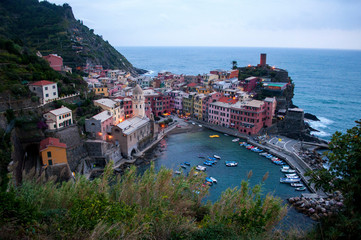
x,y
214,136
288,170
300,189
187,163
200,168
207,163
289,180
177,172
235,140
296,184
216,157
292,176
242,144
231,163
183,166
213,179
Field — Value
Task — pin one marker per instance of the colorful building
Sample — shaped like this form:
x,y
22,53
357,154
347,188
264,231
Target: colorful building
x,y
102,91
52,152
188,103
45,90
58,118
113,107
219,112
99,126
55,61
198,106
249,84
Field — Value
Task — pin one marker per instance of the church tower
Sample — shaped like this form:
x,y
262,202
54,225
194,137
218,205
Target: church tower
x,y
138,102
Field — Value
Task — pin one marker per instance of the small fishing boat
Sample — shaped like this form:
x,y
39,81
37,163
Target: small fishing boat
x,y
249,147
217,157
288,170
257,150
200,125
235,140
279,162
269,156
208,179
214,136
296,184
187,163
242,144
292,176
264,154
213,179
183,166
289,180
285,167
200,168
207,163
202,156
177,172
226,134
300,189
231,163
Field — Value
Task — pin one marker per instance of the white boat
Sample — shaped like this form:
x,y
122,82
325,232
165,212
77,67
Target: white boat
x,y
199,125
292,176
231,163
235,140
296,184
217,157
289,180
213,179
288,170
284,166
200,168
177,172
300,189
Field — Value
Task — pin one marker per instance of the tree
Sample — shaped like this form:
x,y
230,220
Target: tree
x,y
234,64
344,174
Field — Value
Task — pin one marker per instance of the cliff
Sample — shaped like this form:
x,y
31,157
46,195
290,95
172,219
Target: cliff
x,y
50,28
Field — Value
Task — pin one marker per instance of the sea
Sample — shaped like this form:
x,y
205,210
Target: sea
x,y
327,84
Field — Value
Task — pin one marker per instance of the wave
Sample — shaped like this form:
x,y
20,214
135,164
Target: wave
x,y
321,134
150,72
323,123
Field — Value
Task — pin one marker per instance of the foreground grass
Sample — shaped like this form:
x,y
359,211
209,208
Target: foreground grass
x,y
156,205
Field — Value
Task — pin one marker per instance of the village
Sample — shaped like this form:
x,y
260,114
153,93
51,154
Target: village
x,y
137,112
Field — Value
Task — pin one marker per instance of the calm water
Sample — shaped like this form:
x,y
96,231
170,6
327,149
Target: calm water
x,y
179,148
328,82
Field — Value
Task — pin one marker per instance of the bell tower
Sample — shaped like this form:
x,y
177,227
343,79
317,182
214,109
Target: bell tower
x,y
138,102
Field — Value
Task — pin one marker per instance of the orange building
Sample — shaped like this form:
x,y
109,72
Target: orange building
x,y
52,152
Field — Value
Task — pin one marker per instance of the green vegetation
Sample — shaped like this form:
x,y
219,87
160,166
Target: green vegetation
x,y
344,174
49,28
155,205
20,66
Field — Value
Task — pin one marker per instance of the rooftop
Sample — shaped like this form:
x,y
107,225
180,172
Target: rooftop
x,y
130,125
54,142
103,116
106,102
42,83
60,111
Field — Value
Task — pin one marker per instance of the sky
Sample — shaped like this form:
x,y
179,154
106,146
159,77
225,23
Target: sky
x,y
334,24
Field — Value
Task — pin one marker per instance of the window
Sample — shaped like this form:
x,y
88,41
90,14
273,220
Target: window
x,y
53,86
50,162
47,95
54,93
49,154
46,88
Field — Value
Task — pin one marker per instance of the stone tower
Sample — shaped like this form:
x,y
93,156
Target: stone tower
x,y
138,102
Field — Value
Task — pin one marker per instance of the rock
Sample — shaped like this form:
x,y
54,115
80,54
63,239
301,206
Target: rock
x,y
325,214
298,203
339,204
315,217
311,117
318,208
323,210
311,211
291,200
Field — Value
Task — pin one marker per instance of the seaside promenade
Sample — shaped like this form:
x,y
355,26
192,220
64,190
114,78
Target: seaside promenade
x,y
286,149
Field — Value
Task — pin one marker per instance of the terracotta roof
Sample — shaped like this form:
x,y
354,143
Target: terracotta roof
x,y
42,83
192,85
227,100
45,143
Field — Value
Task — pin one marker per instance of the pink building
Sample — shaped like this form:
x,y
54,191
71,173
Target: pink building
x,y
99,125
55,61
219,112
210,98
249,83
128,106
250,117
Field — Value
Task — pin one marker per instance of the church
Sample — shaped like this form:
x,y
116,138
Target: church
x,y
134,133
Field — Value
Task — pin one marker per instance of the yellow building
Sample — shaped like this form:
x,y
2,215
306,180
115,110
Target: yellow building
x,y
204,90
103,91
198,106
53,152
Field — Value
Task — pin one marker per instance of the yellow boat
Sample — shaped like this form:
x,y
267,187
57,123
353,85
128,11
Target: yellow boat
x,y
214,136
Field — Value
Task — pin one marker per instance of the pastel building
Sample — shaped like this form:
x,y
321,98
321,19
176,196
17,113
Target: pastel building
x,y
55,61
45,90
59,118
113,107
251,116
102,91
99,126
219,112
249,84
198,106
210,98
52,152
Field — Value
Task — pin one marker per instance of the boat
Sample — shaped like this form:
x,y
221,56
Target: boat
x,y
177,172
289,180
279,162
187,163
183,166
226,134
214,136
200,125
193,123
213,179
235,140
257,150
300,189
208,183
200,168
270,156
292,176
288,170
217,157
208,179
242,144
264,153
207,163
249,147
285,167
296,184
231,163
202,156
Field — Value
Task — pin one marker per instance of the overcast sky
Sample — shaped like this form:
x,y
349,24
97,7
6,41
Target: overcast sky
x,y
244,23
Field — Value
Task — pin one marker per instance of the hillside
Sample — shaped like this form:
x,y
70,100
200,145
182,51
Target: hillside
x,y
50,28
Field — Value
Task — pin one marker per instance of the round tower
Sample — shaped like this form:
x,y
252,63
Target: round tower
x,y
138,102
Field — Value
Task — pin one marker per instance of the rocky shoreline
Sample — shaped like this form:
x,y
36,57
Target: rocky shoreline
x,y
317,208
